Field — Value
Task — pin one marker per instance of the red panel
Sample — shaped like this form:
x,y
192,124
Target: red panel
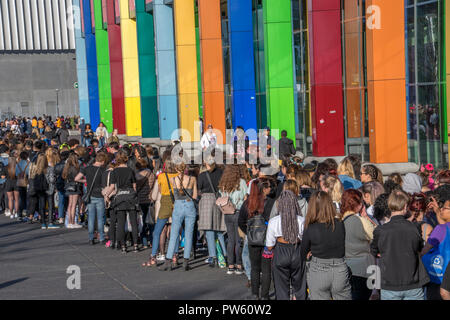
x,y
318,5
326,78
116,65
327,47
327,121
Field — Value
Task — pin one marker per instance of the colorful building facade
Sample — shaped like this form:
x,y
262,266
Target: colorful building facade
x,y
340,76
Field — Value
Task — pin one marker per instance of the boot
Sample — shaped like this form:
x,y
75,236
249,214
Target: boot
x,y
166,266
186,265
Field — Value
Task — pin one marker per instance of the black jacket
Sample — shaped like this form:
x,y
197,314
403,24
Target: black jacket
x,y
399,244
286,146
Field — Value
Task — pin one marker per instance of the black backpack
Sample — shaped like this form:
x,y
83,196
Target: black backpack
x,y
40,183
256,231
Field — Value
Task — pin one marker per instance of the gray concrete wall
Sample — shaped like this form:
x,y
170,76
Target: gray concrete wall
x,y
32,78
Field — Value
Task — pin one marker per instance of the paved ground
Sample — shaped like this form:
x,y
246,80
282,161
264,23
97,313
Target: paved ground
x,y
33,265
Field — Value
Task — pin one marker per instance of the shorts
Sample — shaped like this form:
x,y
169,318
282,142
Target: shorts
x,y
11,185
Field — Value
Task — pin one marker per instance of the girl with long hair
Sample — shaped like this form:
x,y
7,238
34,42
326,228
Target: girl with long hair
x,y
38,195
324,241
53,159
258,204
231,185
284,234
184,211
12,189
416,213
333,186
72,188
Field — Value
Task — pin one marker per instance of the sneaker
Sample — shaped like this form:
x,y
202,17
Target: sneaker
x,y
7,212
239,271
76,226
161,257
231,270
60,220
69,226
25,219
53,226
43,226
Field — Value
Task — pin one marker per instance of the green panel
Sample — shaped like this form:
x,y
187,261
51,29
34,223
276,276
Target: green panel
x,y
199,65
103,67
283,99
147,71
279,68
277,11
279,55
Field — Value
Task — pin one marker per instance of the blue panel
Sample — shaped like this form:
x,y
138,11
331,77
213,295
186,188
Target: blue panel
x,y
242,63
244,113
163,16
166,69
84,111
167,122
91,62
240,20
166,73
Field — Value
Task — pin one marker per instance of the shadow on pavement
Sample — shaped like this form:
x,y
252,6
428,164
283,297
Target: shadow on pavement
x,y
10,283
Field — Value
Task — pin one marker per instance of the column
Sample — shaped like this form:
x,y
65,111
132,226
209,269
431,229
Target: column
x,y
279,66
82,70
386,82
166,75
91,60
240,26
147,71
116,67
103,69
186,58
212,64
325,47
130,71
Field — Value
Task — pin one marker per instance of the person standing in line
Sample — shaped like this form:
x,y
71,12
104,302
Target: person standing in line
x,y
92,176
88,135
72,188
358,235
12,190
22,172
327,275
398,244
52,159
114,137
284,234
286,146
211,219
209,139
231,185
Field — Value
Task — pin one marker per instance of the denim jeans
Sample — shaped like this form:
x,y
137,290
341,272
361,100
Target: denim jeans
x,y
211,237
62,200
414,294
246,259
183,210
96,208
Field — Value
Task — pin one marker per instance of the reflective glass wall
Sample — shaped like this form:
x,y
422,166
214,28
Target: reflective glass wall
x,y
258,41
425,100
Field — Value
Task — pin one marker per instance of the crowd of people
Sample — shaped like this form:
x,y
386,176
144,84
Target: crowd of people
x,y
315,231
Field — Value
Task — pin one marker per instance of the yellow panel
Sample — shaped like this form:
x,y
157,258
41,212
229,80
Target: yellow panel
x,y
131,77
188,107
130,72
184,22
187,69
133,113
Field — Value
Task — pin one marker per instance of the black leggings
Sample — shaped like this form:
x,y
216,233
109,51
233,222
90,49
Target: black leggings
x,y
37,202
121,220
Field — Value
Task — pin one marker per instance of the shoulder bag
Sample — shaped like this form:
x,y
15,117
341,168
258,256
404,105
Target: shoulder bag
x,y
22,180
87,197
225,205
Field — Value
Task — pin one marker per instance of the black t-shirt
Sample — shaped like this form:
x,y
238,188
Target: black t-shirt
x,y
123,178
323,241
203,184
89,173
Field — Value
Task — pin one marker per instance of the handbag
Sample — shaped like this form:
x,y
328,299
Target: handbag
x,y
225,205
71,187
256,231
150,217
87,197
437,259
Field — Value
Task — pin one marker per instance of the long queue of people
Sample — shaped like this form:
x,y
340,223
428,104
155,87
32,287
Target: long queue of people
x,y
318,231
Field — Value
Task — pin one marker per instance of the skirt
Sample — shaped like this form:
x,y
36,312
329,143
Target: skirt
x,y
210,216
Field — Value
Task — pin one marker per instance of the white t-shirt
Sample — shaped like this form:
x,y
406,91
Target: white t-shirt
x,y
274,230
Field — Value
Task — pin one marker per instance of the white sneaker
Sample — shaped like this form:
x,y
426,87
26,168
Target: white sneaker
x,y
69,226
7,212
160,257
76,226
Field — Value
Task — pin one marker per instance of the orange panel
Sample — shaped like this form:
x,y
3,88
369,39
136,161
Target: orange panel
x,y
354,112
386,82
212,63
386,46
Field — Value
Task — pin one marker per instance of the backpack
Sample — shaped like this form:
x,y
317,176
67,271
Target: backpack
x,y
256,231
437,259
40,183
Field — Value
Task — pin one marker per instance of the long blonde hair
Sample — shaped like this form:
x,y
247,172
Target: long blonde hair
x,y
40,167
334,186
